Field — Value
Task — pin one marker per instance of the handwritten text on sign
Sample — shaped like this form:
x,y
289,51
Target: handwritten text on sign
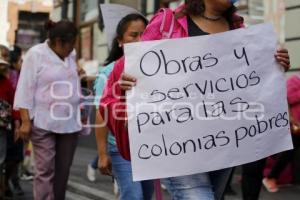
x,y
205,103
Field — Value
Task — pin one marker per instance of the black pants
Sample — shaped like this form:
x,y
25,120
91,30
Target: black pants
x,y
284,158
252,175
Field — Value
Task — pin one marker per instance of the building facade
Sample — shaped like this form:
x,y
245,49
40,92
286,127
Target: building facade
x,y
92,45
282,13
292,31
22,21
3,22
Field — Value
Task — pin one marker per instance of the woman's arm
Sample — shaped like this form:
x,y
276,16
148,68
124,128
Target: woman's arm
x,y
101,131
26,88
24,131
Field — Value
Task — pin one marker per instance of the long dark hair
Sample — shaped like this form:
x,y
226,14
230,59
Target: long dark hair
x,y
197,7
116,51
64,30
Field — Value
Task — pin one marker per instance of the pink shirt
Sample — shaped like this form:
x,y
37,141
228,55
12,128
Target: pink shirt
x,y
49,88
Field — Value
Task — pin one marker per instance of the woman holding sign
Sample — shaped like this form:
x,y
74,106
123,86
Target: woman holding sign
x,y
48,98
110,162
194,18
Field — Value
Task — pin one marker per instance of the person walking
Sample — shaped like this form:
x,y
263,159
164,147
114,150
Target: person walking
x,y
7,119
110,162
284,158
48,97
194,18
14,153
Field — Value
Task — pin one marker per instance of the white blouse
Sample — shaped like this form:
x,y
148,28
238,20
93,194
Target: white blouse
x,y
50,89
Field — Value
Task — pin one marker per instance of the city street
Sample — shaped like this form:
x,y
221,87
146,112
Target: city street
x,y
178,86
79,188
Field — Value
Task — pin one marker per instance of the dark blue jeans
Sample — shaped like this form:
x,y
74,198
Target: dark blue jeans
x,y
129,190
94,163
202,186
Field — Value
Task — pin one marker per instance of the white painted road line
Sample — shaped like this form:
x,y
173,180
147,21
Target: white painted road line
x,y
73,196
92,191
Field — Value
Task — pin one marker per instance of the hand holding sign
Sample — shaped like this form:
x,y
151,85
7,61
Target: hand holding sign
x,y
127,82
282,56
205,103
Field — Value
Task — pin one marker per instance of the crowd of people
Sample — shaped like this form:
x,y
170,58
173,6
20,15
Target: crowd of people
x,y
36,87
12,149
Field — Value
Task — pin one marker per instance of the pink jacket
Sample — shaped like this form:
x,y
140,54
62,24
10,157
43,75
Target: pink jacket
x,y
110,107
293,94
180,29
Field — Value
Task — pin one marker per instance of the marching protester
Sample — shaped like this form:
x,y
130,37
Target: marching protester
x,y
19,151
293,91
194,18
4,126
8,119
48,97
14,153
129,29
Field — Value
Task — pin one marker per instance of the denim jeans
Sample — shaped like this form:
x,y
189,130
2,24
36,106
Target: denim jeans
x,y
191,187
129,190
202,186
219,181
94,163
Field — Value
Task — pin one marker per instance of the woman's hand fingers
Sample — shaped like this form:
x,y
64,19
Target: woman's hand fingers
x,y
81,72
24,131
282,56
285,66
127,82
283,59
104,164
23,135
282,50
127,77
126,85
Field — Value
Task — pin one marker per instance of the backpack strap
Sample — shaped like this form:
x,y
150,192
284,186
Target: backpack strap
x,y
167,24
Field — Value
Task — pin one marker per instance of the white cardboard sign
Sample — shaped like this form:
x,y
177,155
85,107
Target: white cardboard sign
x,y
112,15
205,103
